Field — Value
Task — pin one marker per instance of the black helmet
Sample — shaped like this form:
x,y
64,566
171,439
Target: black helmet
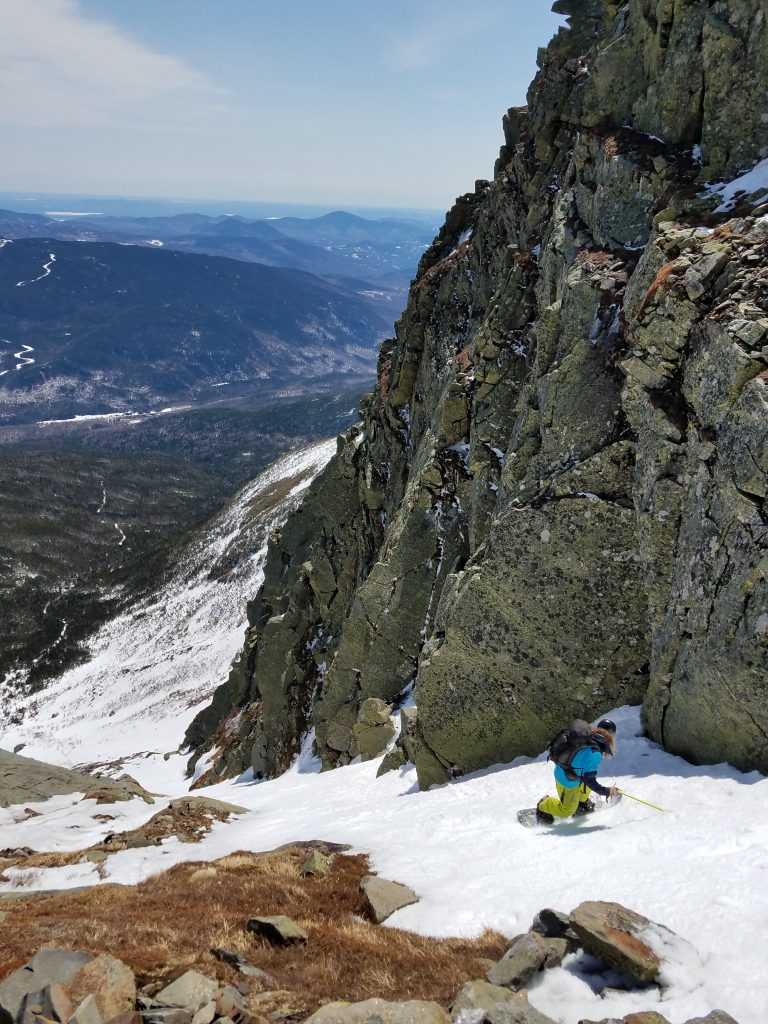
x,y
600,743
608,725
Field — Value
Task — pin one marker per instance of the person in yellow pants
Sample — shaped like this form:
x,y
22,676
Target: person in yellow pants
x,y
576,782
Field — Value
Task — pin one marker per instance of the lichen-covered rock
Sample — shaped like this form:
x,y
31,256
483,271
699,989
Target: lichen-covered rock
x,y
482,995
628,941
555,503
528,954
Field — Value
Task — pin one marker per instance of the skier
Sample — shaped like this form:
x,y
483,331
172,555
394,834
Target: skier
x,y
576,782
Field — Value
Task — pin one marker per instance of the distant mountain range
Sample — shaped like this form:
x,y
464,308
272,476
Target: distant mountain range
x,y
105,327
336,245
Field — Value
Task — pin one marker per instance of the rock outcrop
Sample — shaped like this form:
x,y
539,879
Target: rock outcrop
x,y
555,502
26,780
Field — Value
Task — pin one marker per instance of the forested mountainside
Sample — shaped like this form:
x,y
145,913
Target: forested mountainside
x,y
555,503
98,327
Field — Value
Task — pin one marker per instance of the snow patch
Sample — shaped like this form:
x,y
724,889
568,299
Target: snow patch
x,y
752,183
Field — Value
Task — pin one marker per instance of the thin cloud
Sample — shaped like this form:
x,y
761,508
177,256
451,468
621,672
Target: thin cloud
x,y
436,33
59,68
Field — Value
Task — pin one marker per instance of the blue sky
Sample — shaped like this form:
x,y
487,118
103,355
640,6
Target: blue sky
x,y
347,102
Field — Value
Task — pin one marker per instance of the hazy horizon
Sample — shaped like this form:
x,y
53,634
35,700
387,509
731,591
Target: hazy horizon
x,y
79,204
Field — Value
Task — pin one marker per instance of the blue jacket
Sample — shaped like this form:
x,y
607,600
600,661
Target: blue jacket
x,y
585,764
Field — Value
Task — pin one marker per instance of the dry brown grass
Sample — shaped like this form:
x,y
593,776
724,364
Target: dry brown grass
x,y
664,278
169,923
464,359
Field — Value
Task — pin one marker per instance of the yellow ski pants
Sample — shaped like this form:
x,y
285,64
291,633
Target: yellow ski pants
x,y
565,803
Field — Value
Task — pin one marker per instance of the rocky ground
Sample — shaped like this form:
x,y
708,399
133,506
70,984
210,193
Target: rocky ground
x,y
270,967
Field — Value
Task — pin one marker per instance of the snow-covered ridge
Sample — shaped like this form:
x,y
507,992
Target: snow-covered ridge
x,y
150,667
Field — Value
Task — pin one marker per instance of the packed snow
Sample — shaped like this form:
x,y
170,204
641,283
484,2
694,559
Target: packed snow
x,y
697,867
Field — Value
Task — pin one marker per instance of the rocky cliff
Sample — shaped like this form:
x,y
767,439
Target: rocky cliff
x,y
555,502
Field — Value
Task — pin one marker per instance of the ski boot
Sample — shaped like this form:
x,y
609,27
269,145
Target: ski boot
x,y
542,818
586,807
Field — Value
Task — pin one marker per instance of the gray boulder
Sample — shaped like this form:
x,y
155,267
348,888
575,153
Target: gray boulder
x,y
278,929
384,897
24,780
479,1002
191,991
528,954
45,967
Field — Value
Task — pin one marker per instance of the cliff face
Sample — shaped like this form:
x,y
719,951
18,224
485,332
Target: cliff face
x,y
555,501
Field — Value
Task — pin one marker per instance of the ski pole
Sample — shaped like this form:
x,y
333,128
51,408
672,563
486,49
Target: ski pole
x,y
637,798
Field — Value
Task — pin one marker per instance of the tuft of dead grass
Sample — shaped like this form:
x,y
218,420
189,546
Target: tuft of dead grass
x,y
664,278
171,922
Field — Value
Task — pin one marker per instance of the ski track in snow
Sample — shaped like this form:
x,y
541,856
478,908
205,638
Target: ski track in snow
x,y
45,273
699,868
24,359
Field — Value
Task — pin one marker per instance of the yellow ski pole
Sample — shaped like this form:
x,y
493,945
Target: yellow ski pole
x,y
637,798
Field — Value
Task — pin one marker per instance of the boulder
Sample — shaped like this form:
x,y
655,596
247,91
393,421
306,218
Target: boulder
x,y
205,805
109,980
505,1013
553,924
315,863
378,1011
393,761
278,930
627,940
383,897
373,729
482,995
527,954
23,779
46,967
87,1012
191,991
229,1003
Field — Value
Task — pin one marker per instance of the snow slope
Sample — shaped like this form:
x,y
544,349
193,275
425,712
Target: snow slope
x,y
151,667
700,867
